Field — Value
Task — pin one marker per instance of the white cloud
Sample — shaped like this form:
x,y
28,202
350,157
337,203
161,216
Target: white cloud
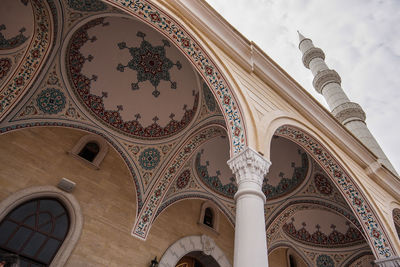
x,y
361,40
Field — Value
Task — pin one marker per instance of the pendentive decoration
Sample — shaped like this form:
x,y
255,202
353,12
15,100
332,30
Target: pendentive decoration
x,y
150,63
51,101
325,261
149,158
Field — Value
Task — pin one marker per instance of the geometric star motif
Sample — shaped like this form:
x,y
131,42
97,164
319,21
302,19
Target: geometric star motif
x,y
150,63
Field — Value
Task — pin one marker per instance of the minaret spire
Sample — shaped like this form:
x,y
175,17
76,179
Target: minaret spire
x,y
301,37
328,83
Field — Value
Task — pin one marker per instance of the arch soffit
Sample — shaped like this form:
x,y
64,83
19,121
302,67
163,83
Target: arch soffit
x,y
217,206
70,202
366,214
92,131
206,65
289,245
188,244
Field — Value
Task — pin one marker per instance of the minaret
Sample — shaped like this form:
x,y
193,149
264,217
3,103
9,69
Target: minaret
x,y
328,83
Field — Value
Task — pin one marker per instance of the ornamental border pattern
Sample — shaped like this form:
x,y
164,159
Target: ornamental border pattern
x,y
154,199
152,15
74,126
32,61
357,201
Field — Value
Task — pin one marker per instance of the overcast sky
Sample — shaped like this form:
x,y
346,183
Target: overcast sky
x,y
361,41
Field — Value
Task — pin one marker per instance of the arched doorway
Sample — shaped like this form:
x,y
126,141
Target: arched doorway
x,y
197,259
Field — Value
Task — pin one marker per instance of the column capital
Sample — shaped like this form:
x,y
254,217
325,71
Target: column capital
x,y
389,262
249,166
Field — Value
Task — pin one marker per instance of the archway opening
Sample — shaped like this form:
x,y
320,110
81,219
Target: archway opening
x,y
197,259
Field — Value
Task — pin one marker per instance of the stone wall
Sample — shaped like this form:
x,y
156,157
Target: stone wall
x,y
38,156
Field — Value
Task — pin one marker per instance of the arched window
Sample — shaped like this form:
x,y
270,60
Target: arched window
x,y
34,231
89,151
208,217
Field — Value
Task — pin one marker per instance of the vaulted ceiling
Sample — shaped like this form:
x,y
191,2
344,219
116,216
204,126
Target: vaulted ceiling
x,y
118,77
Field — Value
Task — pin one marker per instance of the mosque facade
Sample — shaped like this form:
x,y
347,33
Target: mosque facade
x,y
152,133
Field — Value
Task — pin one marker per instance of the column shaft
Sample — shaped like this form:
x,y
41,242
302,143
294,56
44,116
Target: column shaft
x,y
250,237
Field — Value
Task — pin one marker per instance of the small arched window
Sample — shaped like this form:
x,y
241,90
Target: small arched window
x,y
208,217
34,231
89,151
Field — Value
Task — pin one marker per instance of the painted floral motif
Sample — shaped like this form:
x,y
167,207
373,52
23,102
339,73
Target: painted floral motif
x,y
51,101
183,179
87,5
325,261
154,199
5,66
16,85
334,239
205,65
361,208
12,42
82,85
209,98
150,63
149,158
287,185
322,184
214,182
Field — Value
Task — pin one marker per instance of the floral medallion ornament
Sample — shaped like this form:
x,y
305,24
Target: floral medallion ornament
x,y
149,158
322,184
325,261
183,179
150,63
51,101
5,66
87,5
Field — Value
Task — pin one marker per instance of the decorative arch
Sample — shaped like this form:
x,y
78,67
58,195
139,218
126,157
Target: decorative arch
x,y
206,66
373,228
168,174
396,220
188,244
40,48
71,204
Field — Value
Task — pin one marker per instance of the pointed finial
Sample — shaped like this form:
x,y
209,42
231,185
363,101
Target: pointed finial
x,y
301,37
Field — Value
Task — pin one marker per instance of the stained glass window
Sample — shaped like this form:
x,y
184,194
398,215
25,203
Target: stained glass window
x,y
34,231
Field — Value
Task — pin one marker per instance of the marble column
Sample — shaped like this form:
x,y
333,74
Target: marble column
x,y
389,262
249,168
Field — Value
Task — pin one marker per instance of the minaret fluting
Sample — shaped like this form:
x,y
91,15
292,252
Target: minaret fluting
x,y
328,83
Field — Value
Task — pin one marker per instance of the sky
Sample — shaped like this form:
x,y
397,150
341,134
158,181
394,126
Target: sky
x,y
361,41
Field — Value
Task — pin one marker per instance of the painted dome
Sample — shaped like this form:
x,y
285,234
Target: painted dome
x,y
131,78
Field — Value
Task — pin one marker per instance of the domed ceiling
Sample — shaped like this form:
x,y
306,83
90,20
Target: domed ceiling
x,y
132,78
306,226
15,32
288,171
